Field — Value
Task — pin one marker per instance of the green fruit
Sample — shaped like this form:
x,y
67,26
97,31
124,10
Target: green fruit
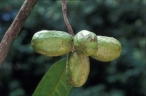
x,y
77,69
109,49
52,42
85,42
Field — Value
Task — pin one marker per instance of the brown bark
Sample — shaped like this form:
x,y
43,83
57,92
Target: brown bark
x,y
15,28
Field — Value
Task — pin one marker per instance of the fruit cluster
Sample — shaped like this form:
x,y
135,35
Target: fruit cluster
x,y
78,48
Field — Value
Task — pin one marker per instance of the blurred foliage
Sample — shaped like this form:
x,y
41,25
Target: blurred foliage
x,y
121,19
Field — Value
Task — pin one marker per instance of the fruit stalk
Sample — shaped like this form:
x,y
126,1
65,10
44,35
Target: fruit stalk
x,y
64,10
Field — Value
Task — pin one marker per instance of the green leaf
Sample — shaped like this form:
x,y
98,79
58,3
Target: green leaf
x,y
54,81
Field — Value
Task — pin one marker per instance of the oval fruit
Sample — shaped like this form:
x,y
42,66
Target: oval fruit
x,y
77,69
85,42
109,49
52,42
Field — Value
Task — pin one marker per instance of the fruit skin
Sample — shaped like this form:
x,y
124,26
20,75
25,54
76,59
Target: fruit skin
x,y
52,42
85,42
77,69
109,49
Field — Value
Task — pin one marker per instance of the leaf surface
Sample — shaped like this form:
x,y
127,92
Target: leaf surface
x,y
54,82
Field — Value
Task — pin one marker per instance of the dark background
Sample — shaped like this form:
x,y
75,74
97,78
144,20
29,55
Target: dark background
x,y
121,19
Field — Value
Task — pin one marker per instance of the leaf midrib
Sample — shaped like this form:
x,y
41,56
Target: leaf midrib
x,y
57,81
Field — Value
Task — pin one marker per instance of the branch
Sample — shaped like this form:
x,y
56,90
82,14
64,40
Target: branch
x,y
15,28
64,10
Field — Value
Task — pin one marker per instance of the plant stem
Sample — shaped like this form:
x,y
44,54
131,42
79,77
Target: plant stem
x,y
64,10
15,28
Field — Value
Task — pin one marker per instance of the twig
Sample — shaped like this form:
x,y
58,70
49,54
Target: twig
x,y
15,28
64,10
